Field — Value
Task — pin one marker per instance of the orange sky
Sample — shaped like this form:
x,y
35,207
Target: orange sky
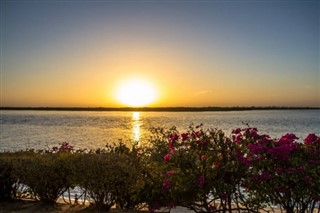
x,y
193,53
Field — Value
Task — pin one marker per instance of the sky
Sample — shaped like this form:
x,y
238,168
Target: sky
x,y
194,53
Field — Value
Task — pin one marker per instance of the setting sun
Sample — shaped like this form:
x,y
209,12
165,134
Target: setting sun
x,y
136,93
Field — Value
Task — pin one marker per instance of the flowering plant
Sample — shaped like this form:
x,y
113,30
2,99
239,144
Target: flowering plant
x,y
203,172
283,172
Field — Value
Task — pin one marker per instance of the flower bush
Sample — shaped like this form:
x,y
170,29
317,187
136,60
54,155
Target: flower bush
x,y
203,170
282,172
154,195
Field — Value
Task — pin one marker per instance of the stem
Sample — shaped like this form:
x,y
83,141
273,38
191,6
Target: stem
x,y
229,203
69,196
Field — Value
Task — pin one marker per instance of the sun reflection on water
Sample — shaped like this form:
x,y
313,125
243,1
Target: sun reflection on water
x,y
136,123
135,116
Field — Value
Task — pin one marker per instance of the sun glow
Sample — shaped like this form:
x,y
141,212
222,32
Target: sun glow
x,y
136,93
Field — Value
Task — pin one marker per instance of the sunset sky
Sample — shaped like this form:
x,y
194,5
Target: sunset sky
x,y
191,53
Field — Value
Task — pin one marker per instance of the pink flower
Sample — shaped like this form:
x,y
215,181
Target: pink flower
x,y
166,185
167,157
236,131
301,169
244,159
237,139
171,172
311,139
172,140
280,170
201,181
203,157
171,148
173,137
217,164
65,147
200,142
288,138
212,208
291,170
257,148
184,136
251,132
265,176
196,134
283,150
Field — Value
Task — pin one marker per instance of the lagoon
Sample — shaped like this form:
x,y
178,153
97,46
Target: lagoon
x,y
20,130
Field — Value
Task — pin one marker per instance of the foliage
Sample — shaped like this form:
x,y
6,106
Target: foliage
x,y
46,175
282,171
133,167
112,176
8,183
154,195
203,170
96,177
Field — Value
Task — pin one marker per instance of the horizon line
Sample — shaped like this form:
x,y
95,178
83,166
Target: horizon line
x,y
163,109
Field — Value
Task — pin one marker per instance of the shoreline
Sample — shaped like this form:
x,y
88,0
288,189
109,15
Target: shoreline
x,y
155,109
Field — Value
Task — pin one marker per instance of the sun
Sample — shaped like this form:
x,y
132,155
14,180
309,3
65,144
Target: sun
x,y
136,92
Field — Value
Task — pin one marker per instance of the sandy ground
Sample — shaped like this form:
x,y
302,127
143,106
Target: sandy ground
x,y
31,206
26,206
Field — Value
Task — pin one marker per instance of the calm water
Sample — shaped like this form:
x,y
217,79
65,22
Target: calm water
x,y
42,129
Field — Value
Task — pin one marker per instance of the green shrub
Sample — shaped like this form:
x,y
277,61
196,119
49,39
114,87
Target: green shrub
x,y
133,167
110,176
98,175
8,183
46,175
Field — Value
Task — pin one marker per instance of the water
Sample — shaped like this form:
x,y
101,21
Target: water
x,y
22,130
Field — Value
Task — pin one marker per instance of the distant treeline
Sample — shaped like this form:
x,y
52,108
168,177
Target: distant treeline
x,y
157,109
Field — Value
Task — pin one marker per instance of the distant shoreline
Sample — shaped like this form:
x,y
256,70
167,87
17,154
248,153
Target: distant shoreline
x,y
157,109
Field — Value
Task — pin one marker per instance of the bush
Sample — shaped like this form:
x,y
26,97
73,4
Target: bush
x,y
46,175
133,165
154,195
106,177
201,169
282,171
8,182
